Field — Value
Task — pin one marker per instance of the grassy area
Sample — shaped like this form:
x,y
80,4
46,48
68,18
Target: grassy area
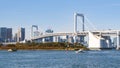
x,y
45,46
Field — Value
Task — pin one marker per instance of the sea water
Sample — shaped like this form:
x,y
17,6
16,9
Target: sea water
x,y
59,59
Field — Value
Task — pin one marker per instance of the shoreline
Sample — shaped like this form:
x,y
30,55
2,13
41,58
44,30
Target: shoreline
x,y
43,46
43,49
66,49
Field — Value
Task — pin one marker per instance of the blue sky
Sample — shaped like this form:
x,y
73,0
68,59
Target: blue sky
x,y
58,14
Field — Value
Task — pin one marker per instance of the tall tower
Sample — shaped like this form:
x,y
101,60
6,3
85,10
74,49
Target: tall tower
x,y
34,32
9,34
3,34
75,26
21,34
75,22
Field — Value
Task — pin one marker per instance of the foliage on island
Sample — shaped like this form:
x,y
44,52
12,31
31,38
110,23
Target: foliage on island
x,y
47,46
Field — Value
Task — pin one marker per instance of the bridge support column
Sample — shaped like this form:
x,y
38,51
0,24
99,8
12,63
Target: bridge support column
x,y
56,39
82,39
43,40
74,37
38,40
70,39
51,39
118,40
48,39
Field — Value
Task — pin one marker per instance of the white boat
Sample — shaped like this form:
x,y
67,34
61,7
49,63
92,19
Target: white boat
x,y
79,51
11,50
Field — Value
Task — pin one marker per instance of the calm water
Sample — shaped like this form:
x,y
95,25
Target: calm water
x,y
59,59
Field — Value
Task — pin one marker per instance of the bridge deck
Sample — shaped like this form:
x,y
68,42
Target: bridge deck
x,y
103,33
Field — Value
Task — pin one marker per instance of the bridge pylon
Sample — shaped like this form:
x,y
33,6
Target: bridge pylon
x,y
75,21
75,25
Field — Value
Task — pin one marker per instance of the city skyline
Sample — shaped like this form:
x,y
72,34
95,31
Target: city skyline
x,y
51,14
7,35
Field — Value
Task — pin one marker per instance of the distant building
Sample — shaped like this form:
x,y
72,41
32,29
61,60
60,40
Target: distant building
x,y
49,31
70,39
9,34
57,39
21,34
15,37
5,34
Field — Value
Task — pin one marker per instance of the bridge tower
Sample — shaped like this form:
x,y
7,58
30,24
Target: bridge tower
x,y
75,27
34,32
75,22
118,40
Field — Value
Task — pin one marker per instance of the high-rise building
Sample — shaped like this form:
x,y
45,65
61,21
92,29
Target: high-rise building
x,y
15,37
5,34
21,34
9,34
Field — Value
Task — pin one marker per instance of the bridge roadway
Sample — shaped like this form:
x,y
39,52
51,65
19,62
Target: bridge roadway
x,y
85,33
6,43
60,34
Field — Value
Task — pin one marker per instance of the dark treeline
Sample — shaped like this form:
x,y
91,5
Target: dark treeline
x,y
52,45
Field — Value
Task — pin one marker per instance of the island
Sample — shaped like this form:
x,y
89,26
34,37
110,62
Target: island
x,y
44,46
